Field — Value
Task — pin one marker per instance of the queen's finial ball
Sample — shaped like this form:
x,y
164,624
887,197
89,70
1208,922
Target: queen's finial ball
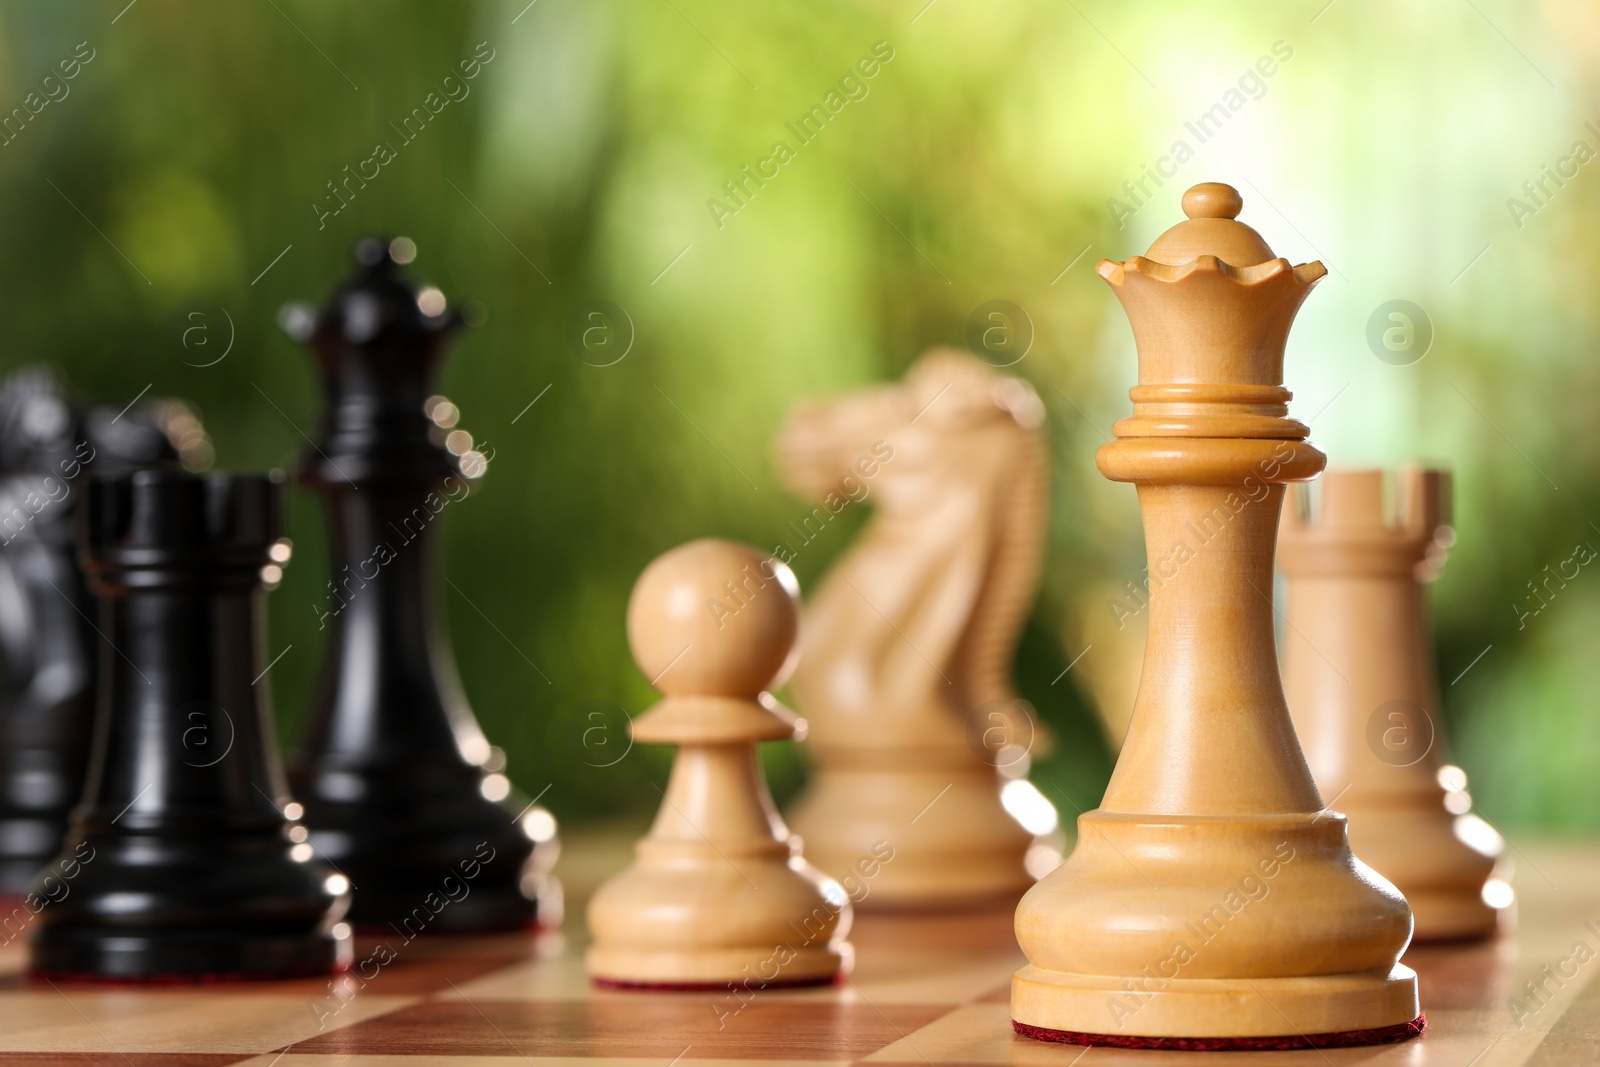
x,y
715,618
1212,200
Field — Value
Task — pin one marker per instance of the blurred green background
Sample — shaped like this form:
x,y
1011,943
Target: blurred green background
x,y
181,180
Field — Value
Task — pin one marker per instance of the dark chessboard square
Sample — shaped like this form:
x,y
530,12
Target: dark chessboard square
x,y
419,968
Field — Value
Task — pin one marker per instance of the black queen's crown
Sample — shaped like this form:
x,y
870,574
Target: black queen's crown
x,y
379,342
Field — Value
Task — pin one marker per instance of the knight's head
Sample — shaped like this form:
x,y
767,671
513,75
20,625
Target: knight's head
x,y
923,423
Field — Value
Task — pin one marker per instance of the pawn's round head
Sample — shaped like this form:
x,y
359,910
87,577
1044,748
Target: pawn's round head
x,y
715,618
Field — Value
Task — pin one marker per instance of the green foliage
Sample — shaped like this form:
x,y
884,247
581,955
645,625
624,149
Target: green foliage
x,y
182,175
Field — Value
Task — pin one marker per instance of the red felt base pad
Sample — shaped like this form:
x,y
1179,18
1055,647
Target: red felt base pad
x,y
1380,1035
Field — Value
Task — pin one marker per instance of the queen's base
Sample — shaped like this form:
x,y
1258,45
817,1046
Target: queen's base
x,y
1152,1012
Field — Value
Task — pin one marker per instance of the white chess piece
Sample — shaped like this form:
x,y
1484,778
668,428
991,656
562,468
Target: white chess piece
x,y
1211,897
918,737
718,892
1358,674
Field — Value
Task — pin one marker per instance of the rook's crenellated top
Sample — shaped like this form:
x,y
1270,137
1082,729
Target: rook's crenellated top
x,y
1353,529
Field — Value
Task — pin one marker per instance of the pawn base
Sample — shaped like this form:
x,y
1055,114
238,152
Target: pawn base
x,y
1215,1009
166,956
716,968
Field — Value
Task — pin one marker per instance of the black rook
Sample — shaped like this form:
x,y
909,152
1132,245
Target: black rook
x,y
48,644
396,776
182,862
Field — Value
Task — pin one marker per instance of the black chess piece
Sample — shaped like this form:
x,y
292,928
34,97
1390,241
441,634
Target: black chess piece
x,y
181,864
48,646
47,643
393,770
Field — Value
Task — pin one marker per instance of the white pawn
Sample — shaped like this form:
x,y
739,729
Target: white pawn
x,y
717,892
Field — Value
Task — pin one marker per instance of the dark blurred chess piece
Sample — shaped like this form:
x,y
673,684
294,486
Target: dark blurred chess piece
x,y
400,786
181,863
47,641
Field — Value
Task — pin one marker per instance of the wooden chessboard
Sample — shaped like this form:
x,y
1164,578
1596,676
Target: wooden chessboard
x,y
926,991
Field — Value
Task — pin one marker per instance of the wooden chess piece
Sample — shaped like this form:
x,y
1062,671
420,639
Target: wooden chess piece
x,y
1358,672
718,892
906,648
396,776
47,642
181,863
48,645
1212,901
